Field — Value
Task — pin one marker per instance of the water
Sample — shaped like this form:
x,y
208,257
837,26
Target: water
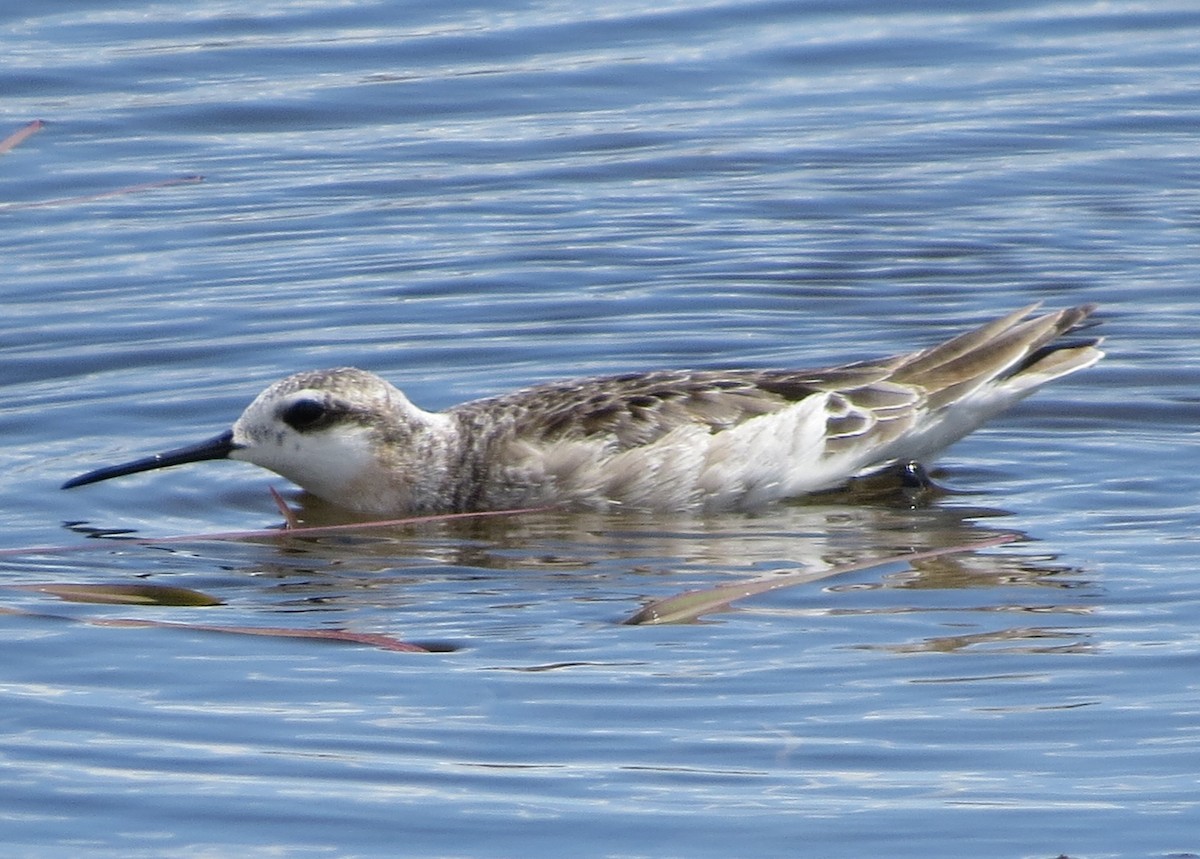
x,y
466,199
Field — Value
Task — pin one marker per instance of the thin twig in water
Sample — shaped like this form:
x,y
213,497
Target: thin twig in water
x,y
290,522
370,639
87,198
275,533
21,135
689,606
383,642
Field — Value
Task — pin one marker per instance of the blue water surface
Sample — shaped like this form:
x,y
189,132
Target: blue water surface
x,y
467,198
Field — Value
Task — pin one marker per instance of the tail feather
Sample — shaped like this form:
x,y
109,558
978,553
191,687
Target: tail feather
x,y
967,380
1014,352
969,342
1049,358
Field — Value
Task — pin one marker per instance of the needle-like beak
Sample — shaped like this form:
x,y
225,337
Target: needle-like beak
x,y
218,447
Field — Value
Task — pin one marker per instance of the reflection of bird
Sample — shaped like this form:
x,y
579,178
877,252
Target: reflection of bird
x,y
666,440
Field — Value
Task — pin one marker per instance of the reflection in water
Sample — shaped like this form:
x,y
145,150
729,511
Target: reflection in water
x,y
477,572
810,535
835,529
1020,639
644,553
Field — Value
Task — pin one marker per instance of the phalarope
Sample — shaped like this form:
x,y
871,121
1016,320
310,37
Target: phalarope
x,y
665,440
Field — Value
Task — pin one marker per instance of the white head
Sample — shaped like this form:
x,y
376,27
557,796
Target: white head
x,y
324,429
344,435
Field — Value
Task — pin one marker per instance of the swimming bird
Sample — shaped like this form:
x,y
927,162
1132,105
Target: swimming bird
x,y
704,440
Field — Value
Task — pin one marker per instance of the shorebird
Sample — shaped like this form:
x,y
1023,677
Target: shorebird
x,y
705,440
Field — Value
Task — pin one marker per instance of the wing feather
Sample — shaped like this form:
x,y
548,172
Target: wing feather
x,y
870,407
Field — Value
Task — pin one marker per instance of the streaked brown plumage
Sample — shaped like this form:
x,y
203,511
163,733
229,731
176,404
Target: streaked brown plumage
x,y
672,440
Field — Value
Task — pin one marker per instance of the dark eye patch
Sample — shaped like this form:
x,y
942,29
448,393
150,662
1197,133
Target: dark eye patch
x,y
306,414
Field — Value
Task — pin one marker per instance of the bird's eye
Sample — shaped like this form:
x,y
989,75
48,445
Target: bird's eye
x,y
304,414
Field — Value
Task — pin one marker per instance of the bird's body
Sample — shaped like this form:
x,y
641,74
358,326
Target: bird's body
x,y
665,440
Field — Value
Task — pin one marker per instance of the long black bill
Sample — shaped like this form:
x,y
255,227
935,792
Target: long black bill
x,y
218,447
